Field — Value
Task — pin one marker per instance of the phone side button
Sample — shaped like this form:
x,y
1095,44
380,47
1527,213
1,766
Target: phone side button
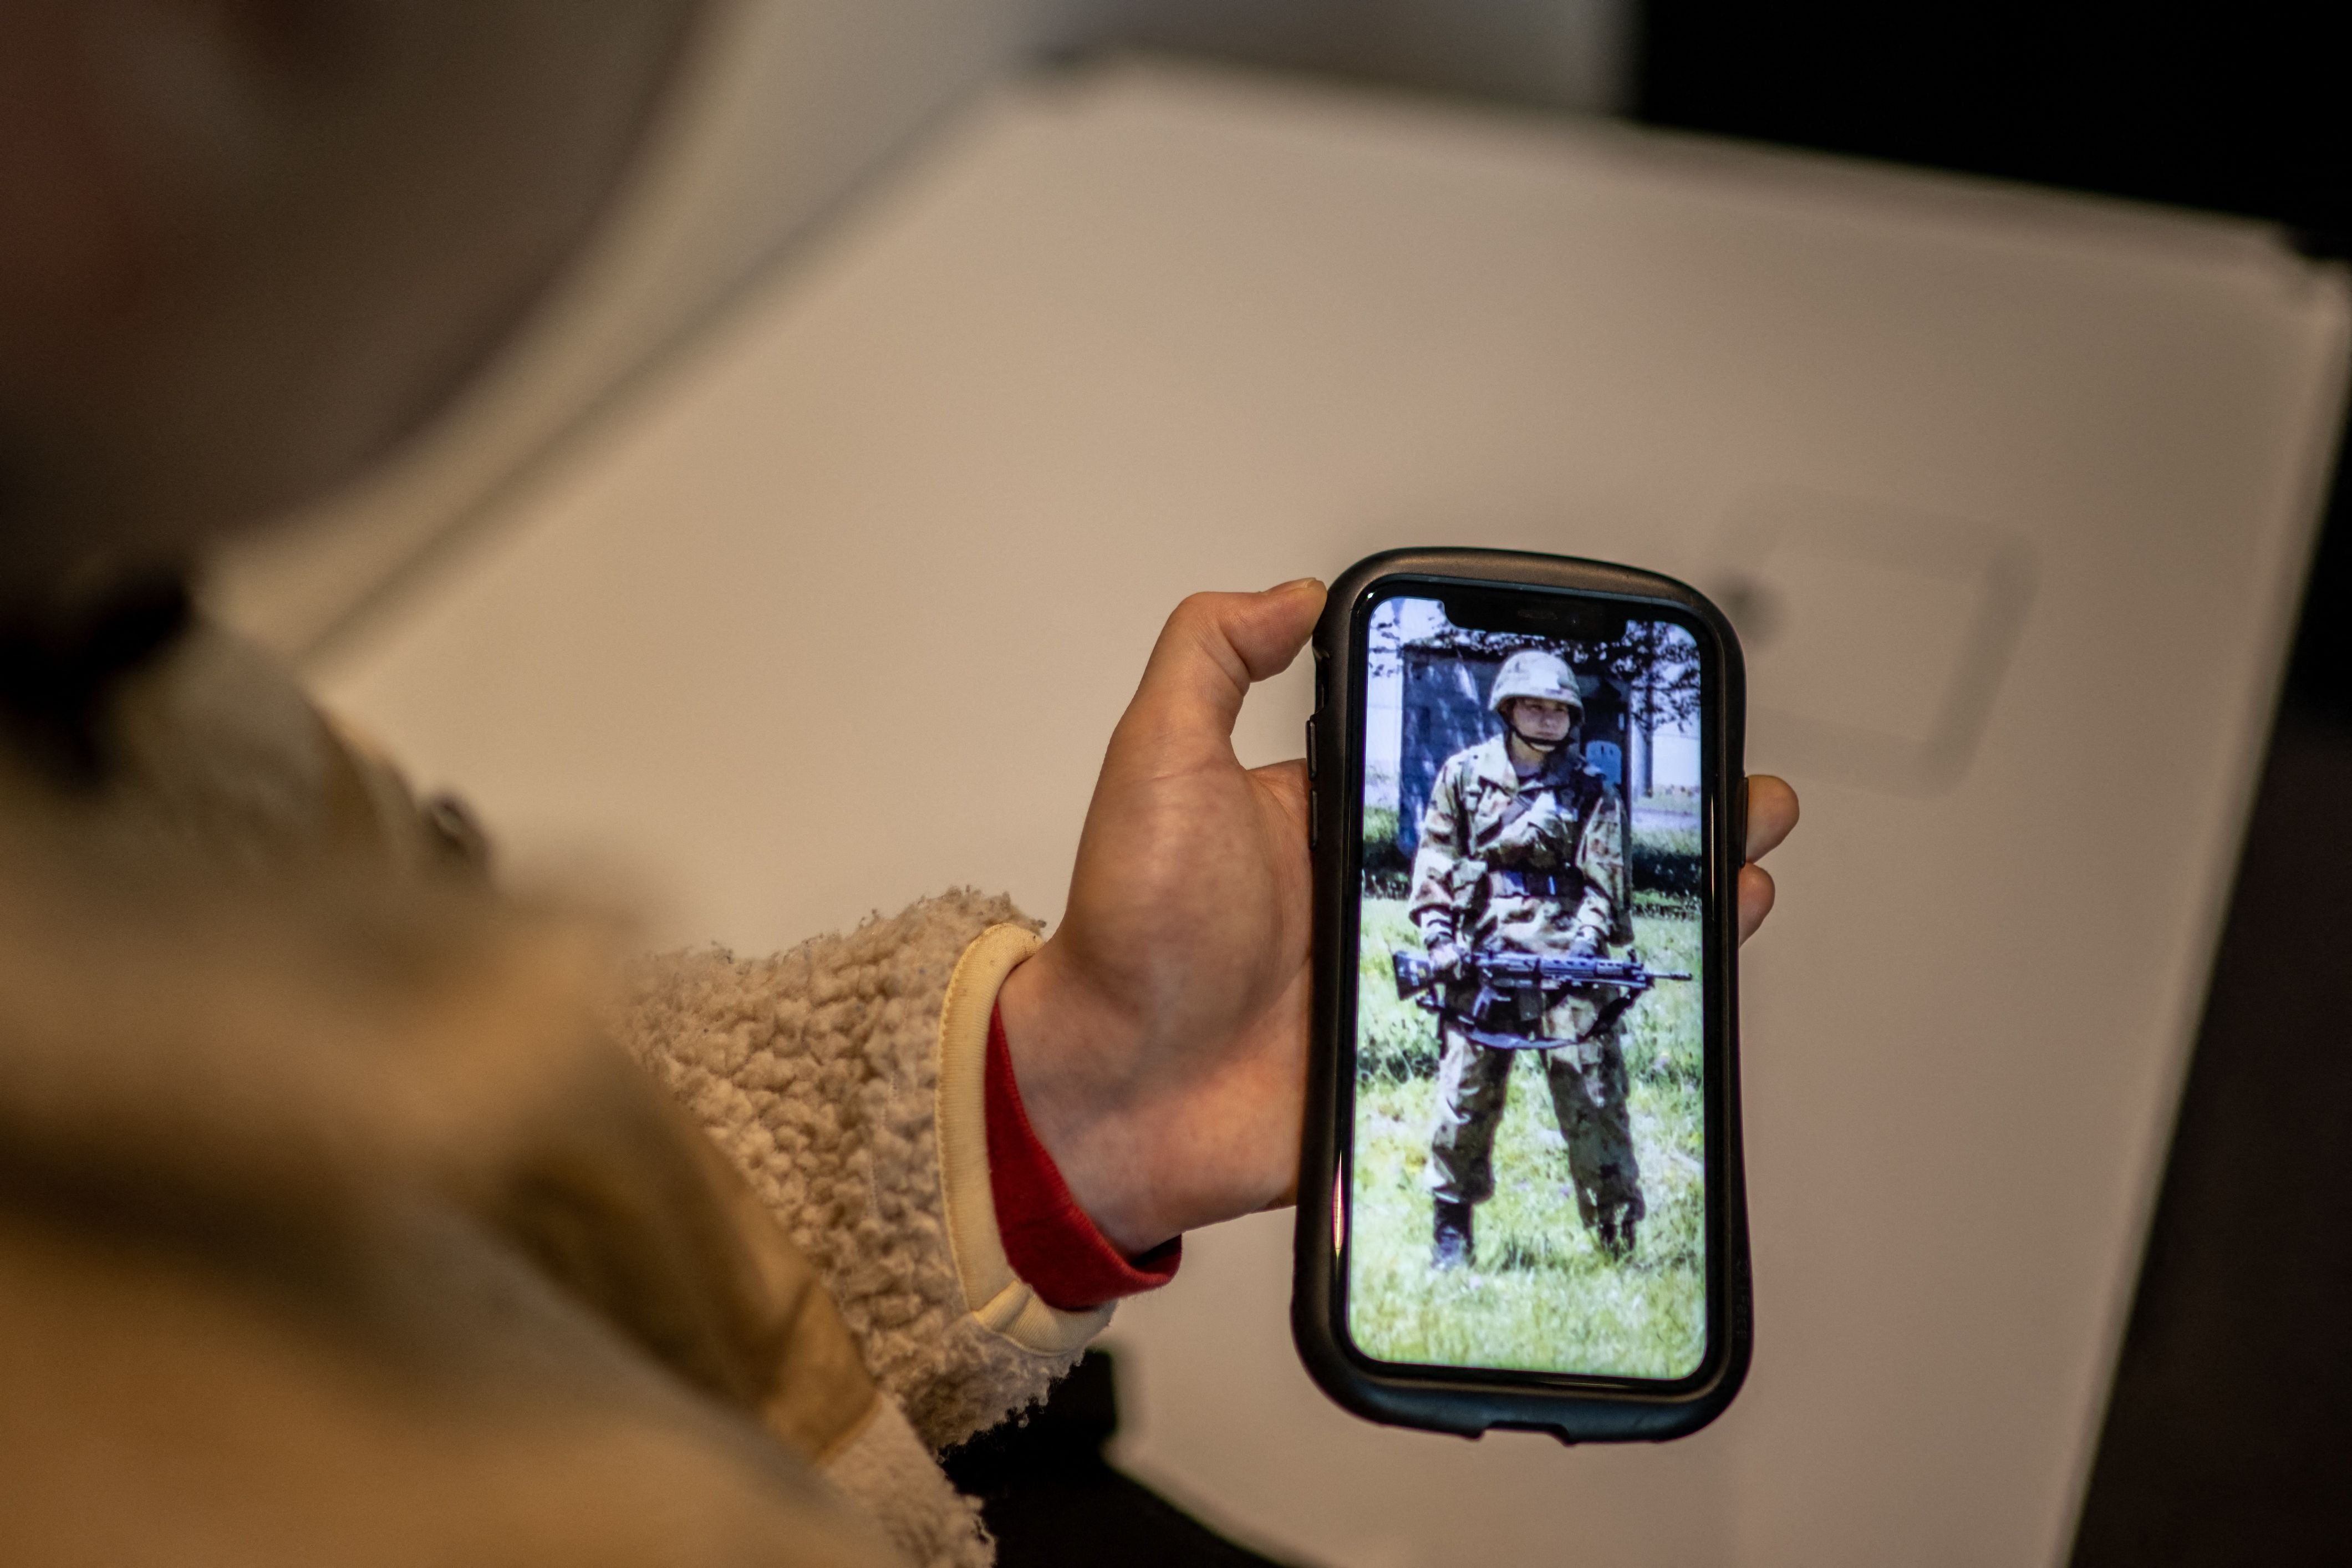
x,y
1310,745
1314,820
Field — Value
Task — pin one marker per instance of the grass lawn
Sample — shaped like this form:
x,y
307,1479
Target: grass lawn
x,y
1541,1296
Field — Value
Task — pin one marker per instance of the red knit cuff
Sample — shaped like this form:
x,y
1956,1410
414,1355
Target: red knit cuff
x,y
1048,1239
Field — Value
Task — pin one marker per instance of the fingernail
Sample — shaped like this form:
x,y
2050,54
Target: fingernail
x,y
1296,583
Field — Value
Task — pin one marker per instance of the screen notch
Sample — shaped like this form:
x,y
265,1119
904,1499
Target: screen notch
x,y
1520,611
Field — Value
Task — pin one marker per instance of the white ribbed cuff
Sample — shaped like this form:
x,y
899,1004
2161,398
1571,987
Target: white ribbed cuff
x,y
999,1297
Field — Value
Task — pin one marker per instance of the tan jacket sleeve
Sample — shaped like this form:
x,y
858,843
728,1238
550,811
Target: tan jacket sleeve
x,y
843,1078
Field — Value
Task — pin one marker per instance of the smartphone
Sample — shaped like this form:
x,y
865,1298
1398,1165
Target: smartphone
x,y
1521,1201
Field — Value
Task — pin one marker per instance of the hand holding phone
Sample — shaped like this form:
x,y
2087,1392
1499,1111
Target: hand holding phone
x,y
1161,1038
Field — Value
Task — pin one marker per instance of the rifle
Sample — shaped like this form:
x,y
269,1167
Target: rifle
x,y
1521,978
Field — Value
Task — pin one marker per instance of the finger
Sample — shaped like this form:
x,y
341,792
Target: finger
x,y
1275,625
1771,813
1211,650
1755,896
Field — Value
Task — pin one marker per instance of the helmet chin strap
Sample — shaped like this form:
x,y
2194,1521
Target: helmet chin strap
x,y
1532,744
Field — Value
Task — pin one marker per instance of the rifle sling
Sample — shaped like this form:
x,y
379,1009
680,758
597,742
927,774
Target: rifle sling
x,y
1610,1013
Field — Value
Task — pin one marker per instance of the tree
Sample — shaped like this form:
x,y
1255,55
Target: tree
x,y
1654,663
1659,663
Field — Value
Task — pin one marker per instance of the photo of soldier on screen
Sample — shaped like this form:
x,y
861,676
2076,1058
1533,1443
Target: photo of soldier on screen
x,y
1523,852
1531,838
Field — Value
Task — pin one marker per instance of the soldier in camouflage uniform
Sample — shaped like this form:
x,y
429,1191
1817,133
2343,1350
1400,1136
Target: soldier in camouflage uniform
x,y
1522,851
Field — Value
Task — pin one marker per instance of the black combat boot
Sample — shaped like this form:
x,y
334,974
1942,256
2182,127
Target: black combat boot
x,y
1617,1233
1452,1247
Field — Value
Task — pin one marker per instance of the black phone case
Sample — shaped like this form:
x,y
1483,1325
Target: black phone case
x,y
1470,1401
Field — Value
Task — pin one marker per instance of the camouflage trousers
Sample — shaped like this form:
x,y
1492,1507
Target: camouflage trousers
x,y
1588,1095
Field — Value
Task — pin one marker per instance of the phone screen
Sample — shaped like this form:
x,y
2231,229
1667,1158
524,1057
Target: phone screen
x,y
1526,1182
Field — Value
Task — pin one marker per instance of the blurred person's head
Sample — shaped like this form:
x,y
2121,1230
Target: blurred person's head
x,y
247,244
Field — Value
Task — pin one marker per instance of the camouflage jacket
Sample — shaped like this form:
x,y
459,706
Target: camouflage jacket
x,y
1527,865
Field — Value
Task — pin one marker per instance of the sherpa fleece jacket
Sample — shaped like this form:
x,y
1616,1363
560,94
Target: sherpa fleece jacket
x,y
352,1212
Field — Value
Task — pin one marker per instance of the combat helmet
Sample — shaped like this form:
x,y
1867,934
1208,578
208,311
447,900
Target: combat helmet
x,y
1532,672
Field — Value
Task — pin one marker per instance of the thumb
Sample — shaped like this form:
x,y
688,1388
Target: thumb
x,y
1212,647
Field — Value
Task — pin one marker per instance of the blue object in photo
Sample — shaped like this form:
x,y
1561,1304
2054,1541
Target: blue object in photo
x,y
1608,760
